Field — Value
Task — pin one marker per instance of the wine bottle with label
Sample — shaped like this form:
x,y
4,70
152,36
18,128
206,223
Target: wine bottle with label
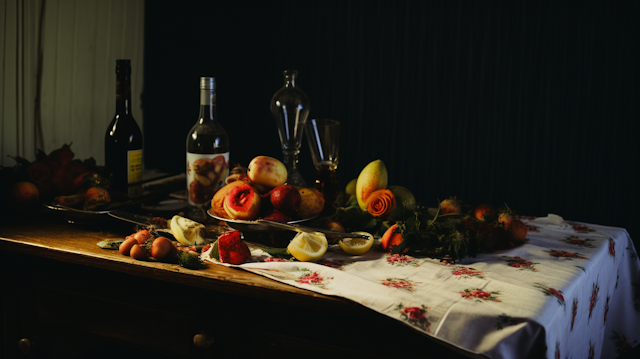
x,y
123,141
207,149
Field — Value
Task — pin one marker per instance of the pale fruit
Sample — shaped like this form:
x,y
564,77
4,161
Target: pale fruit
x,y
351,187
312,202
372,178
356,246
188,232
308,247
267,171
404,197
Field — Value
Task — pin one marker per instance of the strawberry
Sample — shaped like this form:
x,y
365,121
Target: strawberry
x,y
451,206
517,230
484,212
232,249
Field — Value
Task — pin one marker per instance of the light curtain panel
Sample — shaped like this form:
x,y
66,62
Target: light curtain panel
x,y
58,73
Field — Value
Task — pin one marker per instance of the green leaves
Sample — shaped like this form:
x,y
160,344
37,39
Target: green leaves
x,y
423,233
110,244
189,261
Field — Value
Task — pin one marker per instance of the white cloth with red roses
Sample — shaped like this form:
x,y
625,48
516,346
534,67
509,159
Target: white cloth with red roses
x,y
573,288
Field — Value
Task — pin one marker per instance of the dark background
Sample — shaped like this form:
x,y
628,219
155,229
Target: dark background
x,y
533,104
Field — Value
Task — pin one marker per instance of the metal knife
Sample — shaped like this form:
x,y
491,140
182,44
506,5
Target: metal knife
x,y
139,220
301,228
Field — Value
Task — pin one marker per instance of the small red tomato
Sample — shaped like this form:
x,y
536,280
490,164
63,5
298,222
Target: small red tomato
x,y
138,253
161,247
125,247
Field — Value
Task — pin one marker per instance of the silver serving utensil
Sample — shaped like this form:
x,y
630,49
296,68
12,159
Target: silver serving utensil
x,y
140,221
301,228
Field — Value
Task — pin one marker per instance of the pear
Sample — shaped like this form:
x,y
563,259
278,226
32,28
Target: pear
x,y
404,197
350,190
372,178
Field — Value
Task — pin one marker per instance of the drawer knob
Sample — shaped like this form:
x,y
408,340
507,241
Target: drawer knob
x,y
203,340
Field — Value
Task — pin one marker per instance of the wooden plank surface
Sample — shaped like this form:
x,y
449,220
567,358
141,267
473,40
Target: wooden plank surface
x,y
54,238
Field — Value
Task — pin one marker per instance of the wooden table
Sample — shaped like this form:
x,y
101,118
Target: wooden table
x,y
63,296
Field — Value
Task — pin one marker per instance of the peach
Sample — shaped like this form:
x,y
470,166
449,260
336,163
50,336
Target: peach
x,y
391,238
161,247
242,202
138,252
267,171
217,202
24,195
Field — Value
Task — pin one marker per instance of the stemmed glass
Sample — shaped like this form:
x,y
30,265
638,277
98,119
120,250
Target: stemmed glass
x,y
290,107
324,141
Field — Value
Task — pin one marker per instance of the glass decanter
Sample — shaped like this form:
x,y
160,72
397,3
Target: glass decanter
x,y
290,107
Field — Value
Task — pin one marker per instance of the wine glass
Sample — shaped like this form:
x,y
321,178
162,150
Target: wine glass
x,y
324,141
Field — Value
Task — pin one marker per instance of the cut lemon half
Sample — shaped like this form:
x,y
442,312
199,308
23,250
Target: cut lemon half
x,y
308,247
356,246
186,231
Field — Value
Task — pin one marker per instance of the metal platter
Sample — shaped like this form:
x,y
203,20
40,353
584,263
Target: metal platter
x,y
254,226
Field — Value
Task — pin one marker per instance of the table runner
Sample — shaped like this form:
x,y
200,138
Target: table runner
x,y
571,291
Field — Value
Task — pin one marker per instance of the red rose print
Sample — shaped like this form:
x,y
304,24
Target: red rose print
x,y
574,311
575,240
612,247
467,272
581,228
401,259
313,279
550,291
399,283
606,309
415,316
479,295
414,312
521,263
594,298
310,278
564,254
556,294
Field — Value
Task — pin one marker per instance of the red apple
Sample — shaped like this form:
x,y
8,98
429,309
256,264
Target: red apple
x,y
286,199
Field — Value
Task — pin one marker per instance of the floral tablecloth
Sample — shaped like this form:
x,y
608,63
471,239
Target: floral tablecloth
x,y
571,291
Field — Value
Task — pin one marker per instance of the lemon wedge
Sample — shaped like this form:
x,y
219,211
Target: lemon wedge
x,y
187,232
356,246
308,247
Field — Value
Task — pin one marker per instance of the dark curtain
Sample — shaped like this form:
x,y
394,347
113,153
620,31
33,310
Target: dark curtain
x,y
533,104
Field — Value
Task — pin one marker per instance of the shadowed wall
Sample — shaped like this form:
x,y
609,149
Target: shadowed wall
x,y
532,103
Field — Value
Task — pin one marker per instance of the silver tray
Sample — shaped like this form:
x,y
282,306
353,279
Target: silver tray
x,y
254,226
